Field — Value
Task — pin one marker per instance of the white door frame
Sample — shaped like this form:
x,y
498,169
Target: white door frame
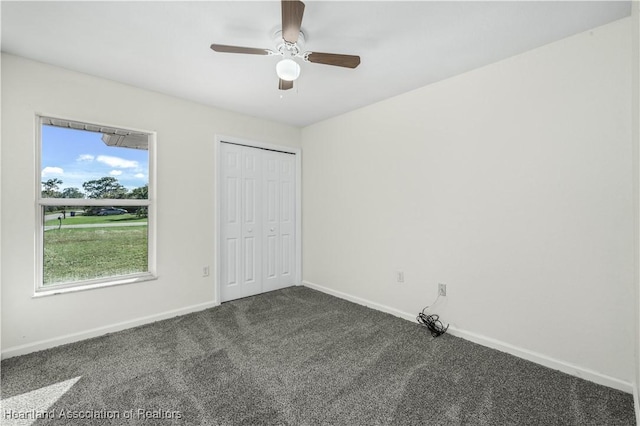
x,y
218,202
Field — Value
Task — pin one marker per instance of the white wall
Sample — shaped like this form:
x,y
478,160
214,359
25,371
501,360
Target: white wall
x,y
511,183
0,204
635,122
185,200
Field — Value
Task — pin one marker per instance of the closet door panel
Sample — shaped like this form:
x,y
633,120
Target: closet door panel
x,y
287,220
271,248
279,251
231,223
251,221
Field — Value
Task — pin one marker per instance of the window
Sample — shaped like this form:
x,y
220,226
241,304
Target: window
x,y
95,205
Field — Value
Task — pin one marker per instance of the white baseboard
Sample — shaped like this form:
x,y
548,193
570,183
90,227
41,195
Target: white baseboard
x,y
636,402
538,358
99,331
360,301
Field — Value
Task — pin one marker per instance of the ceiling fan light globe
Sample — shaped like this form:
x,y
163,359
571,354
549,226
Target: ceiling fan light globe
x,y
288,69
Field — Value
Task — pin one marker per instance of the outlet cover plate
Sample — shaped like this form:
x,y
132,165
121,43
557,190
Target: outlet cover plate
x,y
442,289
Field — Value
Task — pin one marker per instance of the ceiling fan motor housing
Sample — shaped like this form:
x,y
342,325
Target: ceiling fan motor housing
x,y
289,50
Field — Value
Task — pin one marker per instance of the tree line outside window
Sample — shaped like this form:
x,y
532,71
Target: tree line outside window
x,y
103,188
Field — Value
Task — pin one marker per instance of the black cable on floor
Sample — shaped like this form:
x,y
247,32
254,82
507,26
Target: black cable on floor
x,y
432,323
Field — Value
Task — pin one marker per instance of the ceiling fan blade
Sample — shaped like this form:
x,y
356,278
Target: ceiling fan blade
x,y
237,49
347,61
292,11
285,85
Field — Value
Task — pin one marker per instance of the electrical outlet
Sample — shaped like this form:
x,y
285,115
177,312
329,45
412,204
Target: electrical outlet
x,y
442,289
205,271
399,276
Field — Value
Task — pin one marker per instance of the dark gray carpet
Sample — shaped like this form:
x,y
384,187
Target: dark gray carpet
x,y
300,357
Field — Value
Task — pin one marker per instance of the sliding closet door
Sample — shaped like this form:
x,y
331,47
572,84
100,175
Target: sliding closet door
x,y
279,220
241,222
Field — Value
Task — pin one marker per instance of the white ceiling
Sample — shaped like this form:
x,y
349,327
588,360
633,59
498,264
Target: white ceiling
x,y
164,46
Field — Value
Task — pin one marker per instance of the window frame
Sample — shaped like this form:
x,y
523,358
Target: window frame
x,y
52,289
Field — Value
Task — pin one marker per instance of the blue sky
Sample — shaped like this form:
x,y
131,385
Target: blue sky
x,y
76,156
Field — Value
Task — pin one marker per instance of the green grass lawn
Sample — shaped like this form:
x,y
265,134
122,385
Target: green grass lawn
x,y
82,220
86,253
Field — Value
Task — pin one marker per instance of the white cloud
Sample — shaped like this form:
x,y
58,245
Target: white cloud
x,y
85,157
139,175
48,171
115,172
118,162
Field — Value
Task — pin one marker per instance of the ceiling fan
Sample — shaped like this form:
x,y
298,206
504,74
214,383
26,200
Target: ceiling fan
x,y
289,45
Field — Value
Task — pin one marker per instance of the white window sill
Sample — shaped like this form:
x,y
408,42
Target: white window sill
x,y
93,284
